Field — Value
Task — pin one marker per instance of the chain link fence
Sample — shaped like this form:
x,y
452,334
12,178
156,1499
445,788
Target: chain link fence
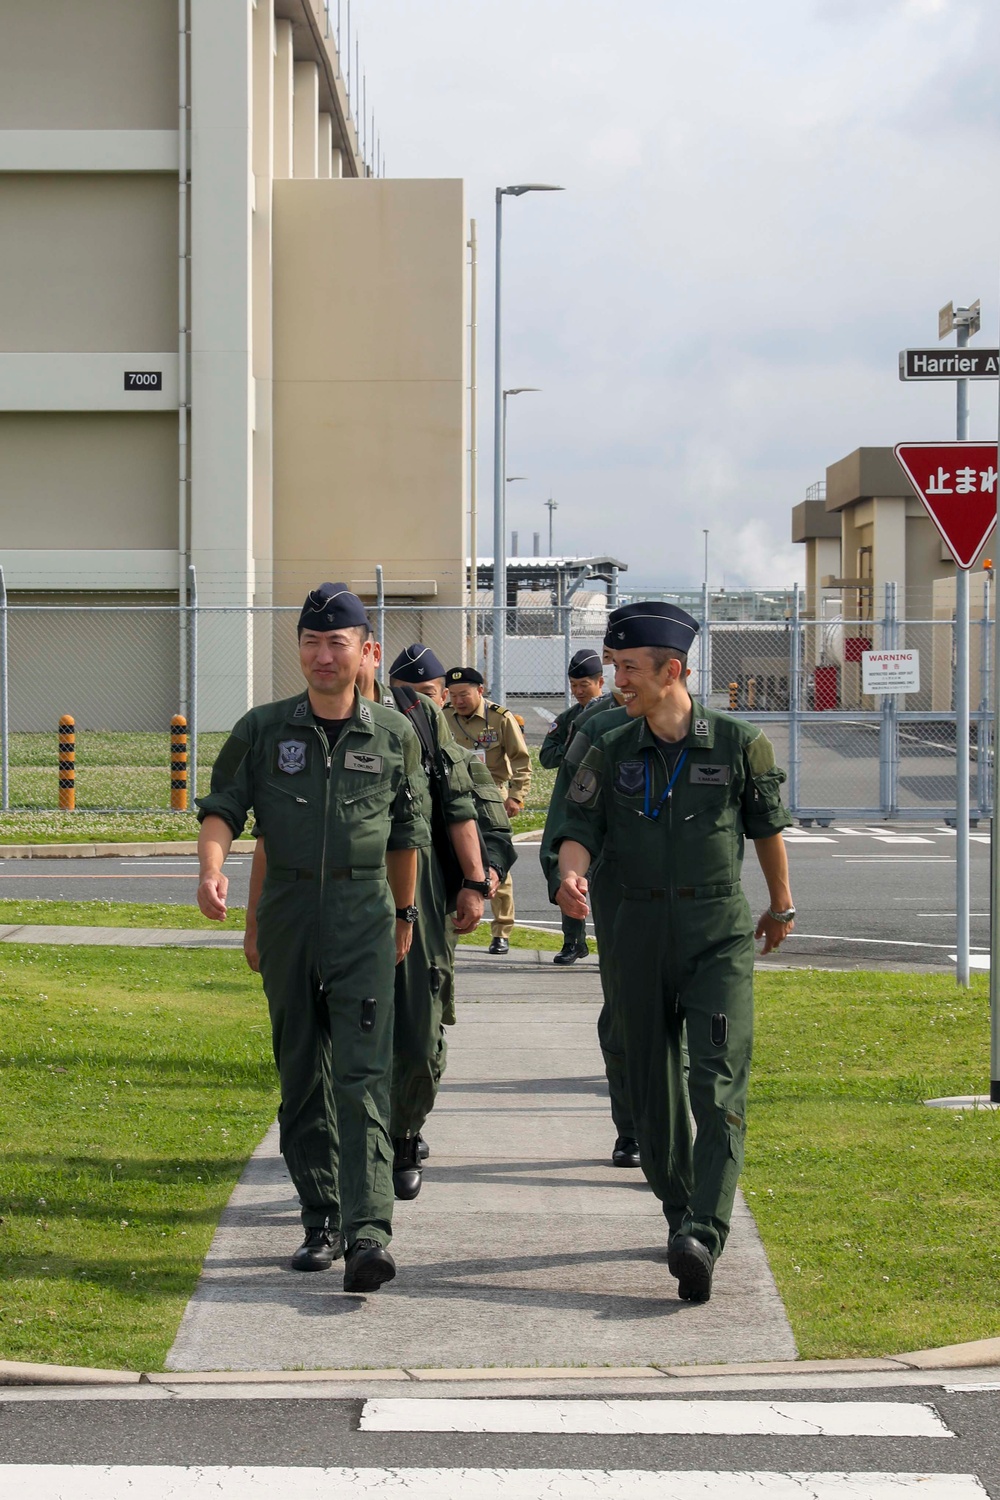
x,y
122,672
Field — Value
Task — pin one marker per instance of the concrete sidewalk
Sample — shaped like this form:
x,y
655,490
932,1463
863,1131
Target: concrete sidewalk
x,y
525,1247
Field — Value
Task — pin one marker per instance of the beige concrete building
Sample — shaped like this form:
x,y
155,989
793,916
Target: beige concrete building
x,y
224,342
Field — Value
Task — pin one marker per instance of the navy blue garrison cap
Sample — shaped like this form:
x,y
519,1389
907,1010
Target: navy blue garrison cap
x,y
585,663
416,663
650,622
332,606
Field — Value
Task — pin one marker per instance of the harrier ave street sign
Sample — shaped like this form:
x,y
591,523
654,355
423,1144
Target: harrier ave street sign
x,y
949,364
957,483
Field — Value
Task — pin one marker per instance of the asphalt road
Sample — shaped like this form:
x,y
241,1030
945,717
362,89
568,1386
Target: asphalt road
x,y
868,896
299,1432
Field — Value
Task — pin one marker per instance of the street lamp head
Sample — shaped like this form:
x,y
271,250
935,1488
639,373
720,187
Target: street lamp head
x,y
513,478
517,189
519,390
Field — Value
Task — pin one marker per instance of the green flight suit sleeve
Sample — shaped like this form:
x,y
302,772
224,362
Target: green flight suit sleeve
x,y
491,815
583,816
454,785
553,746
411,809
761,810
231,791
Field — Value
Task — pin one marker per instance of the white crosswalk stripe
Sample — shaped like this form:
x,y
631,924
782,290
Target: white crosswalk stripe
x,y
877,1419
160,1482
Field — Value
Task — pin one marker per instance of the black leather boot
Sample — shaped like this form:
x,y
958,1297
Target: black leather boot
x,y
406,1170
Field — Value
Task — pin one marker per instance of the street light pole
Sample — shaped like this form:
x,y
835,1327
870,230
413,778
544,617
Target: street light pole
x,y
551,506
499,686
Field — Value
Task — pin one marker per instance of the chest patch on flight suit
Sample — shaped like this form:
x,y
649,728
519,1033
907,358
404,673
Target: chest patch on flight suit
x,y
291,756
629,776
355,762
704,775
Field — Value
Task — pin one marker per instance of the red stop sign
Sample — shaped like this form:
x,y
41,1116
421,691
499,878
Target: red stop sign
x,y
957,483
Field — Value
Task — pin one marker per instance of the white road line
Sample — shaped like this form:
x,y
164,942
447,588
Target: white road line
x,y
896,859
881,1419
901,838
159,1482
828,937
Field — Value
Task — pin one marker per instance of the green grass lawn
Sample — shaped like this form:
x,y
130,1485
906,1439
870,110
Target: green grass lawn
x,y
879,1215
114,914
135,1086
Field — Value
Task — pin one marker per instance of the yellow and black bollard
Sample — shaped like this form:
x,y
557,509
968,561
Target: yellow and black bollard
x,y
734,697
67,762
178,763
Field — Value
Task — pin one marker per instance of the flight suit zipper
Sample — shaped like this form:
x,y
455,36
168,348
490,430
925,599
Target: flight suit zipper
x,y
328,753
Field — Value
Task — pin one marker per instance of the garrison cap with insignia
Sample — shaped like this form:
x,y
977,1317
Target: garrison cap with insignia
x,y
585,663
332,606
464,674
416,663
650,622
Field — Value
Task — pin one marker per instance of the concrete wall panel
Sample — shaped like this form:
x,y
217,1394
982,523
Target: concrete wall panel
x,y
89,263
88,480
370,401
89,65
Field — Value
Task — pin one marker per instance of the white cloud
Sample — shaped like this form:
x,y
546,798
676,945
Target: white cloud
x,y
764,204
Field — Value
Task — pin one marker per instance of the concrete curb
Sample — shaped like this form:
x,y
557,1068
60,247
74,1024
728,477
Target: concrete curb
x,y
110,851
982,1354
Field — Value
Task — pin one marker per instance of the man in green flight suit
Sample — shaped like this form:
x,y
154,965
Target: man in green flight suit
x,y
586,683
672,795
472,846
335,785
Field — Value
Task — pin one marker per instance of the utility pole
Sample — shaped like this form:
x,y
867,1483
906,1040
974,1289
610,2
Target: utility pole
x,y
551,506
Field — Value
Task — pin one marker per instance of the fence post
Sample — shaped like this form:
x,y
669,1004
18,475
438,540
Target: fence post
x,y
984,736
4,700
380,618
794,703
192,716
705,655
885,756
567,650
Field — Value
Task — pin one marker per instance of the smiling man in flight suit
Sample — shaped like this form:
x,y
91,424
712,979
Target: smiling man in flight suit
x,y
672,795
335,785
492,733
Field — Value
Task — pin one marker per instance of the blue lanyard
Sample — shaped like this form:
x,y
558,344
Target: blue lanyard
x,y
670,786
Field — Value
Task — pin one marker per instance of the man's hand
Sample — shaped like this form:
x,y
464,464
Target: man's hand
x,y
571,897
773,933
493,876
212,896
512,806
404,939
468,911
250,949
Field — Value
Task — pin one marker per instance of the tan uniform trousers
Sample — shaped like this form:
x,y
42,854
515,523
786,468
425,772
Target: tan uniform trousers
x,y
503,909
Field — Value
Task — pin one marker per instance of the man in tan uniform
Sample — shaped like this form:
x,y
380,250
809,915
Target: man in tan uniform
x,y
493,734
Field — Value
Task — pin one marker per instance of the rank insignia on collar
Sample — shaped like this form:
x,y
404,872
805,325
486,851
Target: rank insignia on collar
x,y
366,717
301,709
701,728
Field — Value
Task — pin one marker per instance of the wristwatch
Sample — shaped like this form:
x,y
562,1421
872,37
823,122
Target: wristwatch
x,y
406,914
782,916
482,886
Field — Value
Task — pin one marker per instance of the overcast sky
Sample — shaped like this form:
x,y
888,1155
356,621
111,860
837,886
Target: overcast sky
x,y
764,203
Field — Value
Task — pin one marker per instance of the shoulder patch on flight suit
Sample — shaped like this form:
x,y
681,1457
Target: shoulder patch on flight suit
x,y
760,755
583,787
355,762
291,756
705,775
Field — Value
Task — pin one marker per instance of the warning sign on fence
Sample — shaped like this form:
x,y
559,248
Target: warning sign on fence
x,y
890,671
